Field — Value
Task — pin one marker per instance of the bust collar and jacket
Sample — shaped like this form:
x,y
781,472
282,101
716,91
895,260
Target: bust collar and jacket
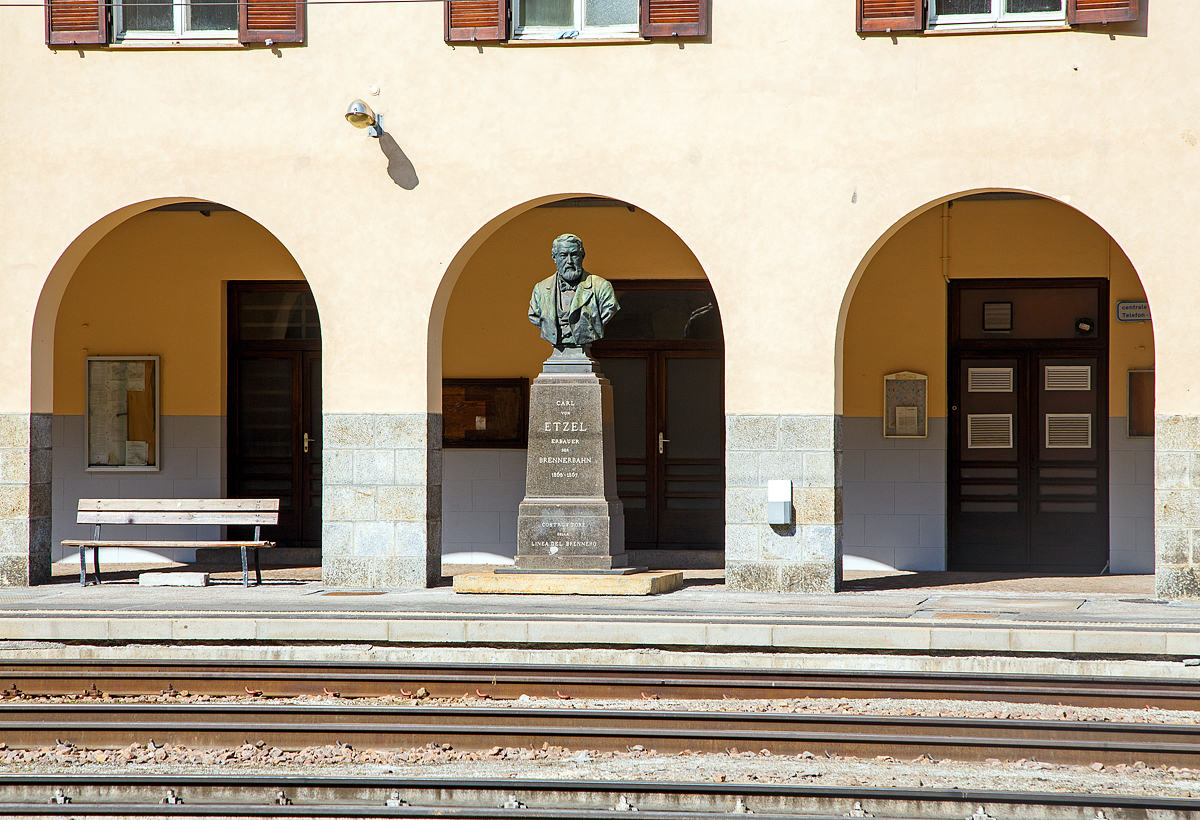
x,y
593,306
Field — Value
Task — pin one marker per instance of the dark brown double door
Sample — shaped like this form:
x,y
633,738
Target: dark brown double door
x,y
664,356
274,415
1028,461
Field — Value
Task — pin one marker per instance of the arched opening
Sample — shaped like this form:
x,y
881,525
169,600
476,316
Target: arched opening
x,y
187,313
663,353
996,386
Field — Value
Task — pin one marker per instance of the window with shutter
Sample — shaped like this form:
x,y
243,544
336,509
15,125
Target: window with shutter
x,y
1101,11
76,22
675,18
260,21
470,21
980,15
891,15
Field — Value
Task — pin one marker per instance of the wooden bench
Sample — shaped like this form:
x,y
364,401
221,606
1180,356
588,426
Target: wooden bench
x,y
222,511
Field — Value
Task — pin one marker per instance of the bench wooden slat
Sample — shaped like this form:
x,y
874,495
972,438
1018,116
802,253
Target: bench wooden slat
x,y
184,544
231,505
202,517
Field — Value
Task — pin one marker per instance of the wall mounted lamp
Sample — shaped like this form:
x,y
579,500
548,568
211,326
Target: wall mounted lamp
x,y
360,115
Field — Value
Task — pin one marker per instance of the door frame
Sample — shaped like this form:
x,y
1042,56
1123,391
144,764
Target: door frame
x,y
656,383
1027,351
301,350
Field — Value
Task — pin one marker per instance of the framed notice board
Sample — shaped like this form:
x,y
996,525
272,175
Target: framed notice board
x,y
905,400
485,412
121,419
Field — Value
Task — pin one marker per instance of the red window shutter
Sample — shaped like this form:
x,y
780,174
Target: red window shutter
x,y
76,22
476,21
1101,11
891,15
274,20
675,18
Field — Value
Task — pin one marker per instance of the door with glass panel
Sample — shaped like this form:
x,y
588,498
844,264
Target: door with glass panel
x,y
274,418
1028,455
664,356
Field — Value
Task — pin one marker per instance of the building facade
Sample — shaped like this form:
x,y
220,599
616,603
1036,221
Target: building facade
x,y
903,257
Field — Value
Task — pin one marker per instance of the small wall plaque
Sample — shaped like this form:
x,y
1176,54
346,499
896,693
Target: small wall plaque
x,y
905,413
1133,311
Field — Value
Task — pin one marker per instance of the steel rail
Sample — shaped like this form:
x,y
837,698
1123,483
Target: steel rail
x,y
291,726
351,680
364,797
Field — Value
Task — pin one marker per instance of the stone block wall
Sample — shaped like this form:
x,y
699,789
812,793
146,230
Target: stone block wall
x,y
382,500
25,498
807,555
1177,506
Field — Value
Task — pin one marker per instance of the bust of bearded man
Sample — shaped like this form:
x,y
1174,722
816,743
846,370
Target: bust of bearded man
x,y
571,307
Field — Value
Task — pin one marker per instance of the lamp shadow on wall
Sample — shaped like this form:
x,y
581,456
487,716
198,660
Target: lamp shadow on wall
x,y
400,167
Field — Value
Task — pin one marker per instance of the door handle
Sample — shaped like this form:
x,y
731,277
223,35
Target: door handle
x,y
308,441
661,442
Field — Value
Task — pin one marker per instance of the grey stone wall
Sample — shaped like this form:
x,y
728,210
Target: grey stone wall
x,y
25,498
382,500
1177,506
803,557
192,465
895,495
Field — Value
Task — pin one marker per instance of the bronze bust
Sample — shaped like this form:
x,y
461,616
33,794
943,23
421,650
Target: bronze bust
x,y
571,307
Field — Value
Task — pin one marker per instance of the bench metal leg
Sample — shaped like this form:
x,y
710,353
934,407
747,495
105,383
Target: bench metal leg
x,y
95,559
257,568
245,568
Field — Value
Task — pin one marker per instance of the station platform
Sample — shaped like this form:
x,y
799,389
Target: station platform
x,y
1104,625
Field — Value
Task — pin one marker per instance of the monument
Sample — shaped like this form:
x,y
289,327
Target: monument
x,y
571,521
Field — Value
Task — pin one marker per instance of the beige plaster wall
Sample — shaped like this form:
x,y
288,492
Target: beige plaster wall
x,y
487,334
782,157
897,319
155,285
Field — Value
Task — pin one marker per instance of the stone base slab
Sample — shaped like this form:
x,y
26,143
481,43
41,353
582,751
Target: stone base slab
x,y
572,571
173,579
643,583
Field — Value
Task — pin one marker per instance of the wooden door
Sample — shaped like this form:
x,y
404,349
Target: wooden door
x,y
274,416
664,357
1028,460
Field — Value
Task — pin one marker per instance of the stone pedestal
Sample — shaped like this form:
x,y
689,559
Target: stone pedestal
x,y
571,520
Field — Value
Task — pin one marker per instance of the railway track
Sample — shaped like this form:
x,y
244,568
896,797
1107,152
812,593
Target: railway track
x,y
354,680
291,726
366,797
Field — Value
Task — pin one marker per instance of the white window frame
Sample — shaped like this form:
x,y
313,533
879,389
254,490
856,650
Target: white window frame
x,y
622,32
180,32
998,18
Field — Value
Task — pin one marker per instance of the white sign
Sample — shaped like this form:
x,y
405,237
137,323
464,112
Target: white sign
x,y
1133,311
